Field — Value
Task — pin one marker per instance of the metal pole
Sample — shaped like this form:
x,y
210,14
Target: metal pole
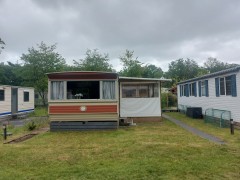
x,y
232,126
4,131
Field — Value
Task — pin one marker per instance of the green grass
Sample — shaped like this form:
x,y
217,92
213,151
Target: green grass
x,y
223,133
39,111
147,151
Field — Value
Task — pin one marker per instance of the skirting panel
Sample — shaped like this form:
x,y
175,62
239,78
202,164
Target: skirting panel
x,y
82,125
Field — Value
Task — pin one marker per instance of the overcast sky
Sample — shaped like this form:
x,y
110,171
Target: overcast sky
x,y
159,31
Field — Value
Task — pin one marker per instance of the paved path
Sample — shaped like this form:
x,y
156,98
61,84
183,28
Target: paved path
x,y
194,130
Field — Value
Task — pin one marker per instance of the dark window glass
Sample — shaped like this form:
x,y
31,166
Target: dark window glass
x,y
2,95
83,90
185,89
190,90
26,96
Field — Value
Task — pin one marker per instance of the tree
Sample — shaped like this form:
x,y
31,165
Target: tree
x,y
2,44
181,69
38,62
213,65
10,74
94,61
131,66
152,71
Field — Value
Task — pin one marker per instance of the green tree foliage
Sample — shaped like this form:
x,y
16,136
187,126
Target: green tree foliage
x,y
131,66
152,71
94,61
213,65
2,44
10,74
39,61
181,69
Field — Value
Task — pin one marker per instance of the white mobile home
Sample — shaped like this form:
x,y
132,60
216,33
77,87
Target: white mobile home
x,y
216,91
15,100
97,100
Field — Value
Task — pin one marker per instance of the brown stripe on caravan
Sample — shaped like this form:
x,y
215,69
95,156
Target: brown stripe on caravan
x,y
82,109
83,75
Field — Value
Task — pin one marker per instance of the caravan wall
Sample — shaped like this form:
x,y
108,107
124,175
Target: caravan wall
x,y
15,100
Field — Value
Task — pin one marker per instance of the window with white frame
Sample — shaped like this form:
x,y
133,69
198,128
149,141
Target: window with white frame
x,y
191,89
183,90
203,88
225,85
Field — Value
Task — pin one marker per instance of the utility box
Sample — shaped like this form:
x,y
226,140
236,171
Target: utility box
x,y
194,112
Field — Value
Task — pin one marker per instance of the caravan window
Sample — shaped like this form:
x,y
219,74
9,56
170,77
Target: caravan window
x,y
26,96
226,85
203,88
83,90
139,90
108,90
57,90
2,95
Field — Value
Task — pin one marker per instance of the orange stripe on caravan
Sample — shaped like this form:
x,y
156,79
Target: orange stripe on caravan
x,y
78,109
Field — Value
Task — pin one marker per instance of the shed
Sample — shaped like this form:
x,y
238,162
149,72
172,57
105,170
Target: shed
x,y
15,100
97,100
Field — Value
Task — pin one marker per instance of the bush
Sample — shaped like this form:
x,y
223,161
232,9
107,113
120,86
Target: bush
x,y
31,125
36,123
168,100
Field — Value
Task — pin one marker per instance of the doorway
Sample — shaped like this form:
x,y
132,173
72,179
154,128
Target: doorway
x,y
14,106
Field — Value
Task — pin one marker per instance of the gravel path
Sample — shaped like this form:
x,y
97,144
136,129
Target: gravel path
x,y
194,130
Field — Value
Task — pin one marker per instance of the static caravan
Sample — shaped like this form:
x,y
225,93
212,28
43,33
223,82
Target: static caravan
x,y
218,94
97,100
15,100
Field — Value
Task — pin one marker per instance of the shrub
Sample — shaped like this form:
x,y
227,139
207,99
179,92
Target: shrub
x,y
168,100
36,123
31,125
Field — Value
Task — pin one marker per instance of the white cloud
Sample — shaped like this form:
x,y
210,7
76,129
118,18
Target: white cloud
x,y
159,31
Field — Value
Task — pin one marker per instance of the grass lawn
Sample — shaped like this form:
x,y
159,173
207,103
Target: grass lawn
x,y
146,151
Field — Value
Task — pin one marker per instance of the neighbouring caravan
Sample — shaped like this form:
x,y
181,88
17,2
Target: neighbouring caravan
x,y
15,100
218,94
97,100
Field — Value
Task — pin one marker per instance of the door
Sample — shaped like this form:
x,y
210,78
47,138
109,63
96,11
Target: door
x,y
14,106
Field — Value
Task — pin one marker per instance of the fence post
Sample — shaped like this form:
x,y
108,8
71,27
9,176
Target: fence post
x,y
4,131
232,126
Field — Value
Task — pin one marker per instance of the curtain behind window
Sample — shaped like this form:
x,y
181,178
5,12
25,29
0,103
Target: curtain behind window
x,y
108,90
57,89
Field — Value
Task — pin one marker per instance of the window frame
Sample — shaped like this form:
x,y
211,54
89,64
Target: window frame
x,y
191,89
26,98
203,88
3,95
65,95
99,89
136,87
225,85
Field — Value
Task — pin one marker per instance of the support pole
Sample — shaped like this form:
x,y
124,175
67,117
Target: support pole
x,y
232,126
4,131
